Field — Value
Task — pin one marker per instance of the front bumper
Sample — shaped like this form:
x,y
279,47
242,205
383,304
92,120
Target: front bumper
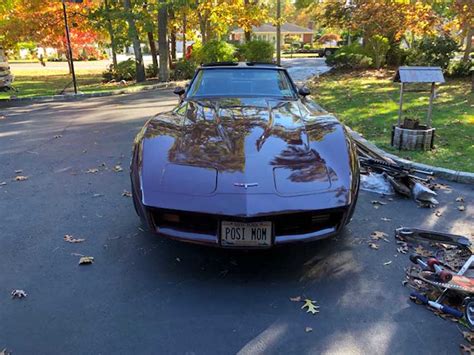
x,y
294,227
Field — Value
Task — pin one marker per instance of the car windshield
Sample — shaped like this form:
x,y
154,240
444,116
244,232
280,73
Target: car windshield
x,y
233,82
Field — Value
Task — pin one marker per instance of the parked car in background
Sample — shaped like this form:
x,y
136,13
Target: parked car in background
x,y
6,78
246,160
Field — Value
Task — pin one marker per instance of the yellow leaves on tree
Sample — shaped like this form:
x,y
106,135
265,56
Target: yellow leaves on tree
x,y
216,17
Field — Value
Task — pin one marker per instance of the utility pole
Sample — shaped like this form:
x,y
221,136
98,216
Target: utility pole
x,y
278,33
68,39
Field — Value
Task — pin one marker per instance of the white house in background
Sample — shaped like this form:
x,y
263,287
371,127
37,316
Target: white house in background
x,y
267,32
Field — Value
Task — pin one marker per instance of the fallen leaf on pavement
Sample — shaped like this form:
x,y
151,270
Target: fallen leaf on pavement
x,y
403,249
377,235
92,171
388,262
460,199
422,251
3,183
461,208
373,246
295,299
466,349
438,213
311,307
18,294
439,186
118,168
308,329
86,260
377,202
97,195
70,239
126,193
18,171
469,336
21,178
385,219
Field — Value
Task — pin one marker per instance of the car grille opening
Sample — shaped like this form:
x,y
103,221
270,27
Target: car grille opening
x,y
284,224
306,222
186,221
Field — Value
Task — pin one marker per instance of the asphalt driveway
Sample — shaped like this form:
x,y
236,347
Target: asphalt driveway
x,y
147,295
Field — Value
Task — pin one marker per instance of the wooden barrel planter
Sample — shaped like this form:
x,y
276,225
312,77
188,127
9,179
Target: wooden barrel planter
x,y
421,138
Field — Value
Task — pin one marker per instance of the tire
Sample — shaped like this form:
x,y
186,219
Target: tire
x,y
327,53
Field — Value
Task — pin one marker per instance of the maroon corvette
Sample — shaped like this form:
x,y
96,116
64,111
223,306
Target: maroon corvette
x,y
245,160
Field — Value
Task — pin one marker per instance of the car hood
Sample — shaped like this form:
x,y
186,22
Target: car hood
x,y
242,146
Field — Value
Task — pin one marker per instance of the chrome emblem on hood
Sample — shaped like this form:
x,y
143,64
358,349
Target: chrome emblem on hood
x,y
246,184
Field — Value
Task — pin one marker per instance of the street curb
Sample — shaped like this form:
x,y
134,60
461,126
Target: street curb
x,y
447,174
71,97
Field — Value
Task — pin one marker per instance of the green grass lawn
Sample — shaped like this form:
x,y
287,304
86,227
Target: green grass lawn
x,y
367,101
30,83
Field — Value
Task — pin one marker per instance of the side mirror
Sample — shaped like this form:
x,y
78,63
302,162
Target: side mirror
x,y
179,91
304,91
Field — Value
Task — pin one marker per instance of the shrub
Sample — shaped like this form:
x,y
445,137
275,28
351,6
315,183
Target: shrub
x,y
307,46
258,51
432,51
460,68
396,56
377,48
151,71
239,52
184,70
124,71
350,57
214,51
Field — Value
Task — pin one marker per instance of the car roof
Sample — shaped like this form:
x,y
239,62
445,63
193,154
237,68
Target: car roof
x,y
241,65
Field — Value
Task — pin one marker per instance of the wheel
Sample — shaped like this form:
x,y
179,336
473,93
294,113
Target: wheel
x,y
327,52
445,276
469,312
432,262
414,258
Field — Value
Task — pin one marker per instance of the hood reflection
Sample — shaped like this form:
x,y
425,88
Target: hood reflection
x,y
225,133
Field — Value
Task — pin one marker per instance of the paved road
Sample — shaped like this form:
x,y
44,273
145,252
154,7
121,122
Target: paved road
x,y
302,69
146,295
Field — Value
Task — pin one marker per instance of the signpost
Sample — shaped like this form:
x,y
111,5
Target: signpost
x,y
68,39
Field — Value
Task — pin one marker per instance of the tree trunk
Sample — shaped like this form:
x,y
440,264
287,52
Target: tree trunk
x,y
163,40
185,23
467,52
173,44
110,29
247,34
172,36
278,33
154,54
133,35
202,28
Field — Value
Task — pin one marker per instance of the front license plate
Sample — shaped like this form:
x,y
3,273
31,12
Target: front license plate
x,y
255,234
